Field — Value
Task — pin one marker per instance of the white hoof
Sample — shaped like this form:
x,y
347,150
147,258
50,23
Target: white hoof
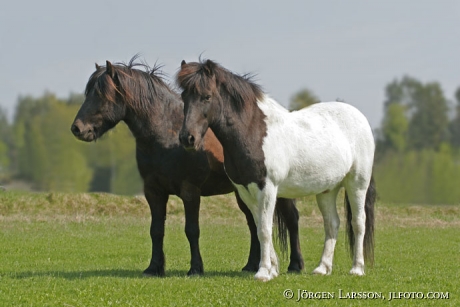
x,y
323,269
263,275
358,271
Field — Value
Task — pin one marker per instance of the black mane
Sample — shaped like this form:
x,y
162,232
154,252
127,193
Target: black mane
x,y
208,75
139,88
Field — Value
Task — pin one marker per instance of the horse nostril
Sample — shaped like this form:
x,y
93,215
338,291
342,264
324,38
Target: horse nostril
x,y
75,130
191,139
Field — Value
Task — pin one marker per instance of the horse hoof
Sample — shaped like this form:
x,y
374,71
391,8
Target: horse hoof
x,y
263,275
357,271
322,270
195,272
150,272
273,273
295,268
294,271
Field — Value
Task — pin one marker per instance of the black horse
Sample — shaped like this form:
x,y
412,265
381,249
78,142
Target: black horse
x,y
154,114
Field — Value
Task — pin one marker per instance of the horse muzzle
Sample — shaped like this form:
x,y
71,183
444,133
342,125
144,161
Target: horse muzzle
x,y
83,132
188,141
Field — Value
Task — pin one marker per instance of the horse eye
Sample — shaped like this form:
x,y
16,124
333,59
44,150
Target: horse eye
x,y
207,97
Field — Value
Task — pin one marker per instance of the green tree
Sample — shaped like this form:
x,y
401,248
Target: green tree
x,y
6,148
401,91
302,99
26,109
425,109
414,162
429,123
454,126
4,159
67,168
48,155
394,127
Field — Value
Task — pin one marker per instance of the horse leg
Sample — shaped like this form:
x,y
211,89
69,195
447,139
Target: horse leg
x,y
357,198
290,215
268,267
157,203
254,250
331,220
191,197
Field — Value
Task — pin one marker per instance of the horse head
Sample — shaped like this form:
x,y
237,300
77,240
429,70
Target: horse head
x,y
202,101
213,96
101,109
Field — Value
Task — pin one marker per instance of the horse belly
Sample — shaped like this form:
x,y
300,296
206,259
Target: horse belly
x,y
217,183
302,183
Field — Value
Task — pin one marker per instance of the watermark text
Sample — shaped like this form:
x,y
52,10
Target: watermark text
x,y
303,294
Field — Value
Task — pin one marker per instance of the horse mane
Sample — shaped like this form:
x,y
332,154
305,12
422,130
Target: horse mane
x,y
138,88
205,75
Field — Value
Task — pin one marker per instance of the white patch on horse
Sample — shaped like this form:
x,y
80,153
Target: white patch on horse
x,y
299,155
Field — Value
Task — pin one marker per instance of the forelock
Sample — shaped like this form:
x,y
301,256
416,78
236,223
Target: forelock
x,y
193,78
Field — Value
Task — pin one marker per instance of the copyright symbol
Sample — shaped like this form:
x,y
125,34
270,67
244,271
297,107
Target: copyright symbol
x,y
288,294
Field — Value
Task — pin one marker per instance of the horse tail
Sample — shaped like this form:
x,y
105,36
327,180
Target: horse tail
x,y
281,229
368,248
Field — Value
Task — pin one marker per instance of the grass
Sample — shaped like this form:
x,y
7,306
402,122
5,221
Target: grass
x,y
90,250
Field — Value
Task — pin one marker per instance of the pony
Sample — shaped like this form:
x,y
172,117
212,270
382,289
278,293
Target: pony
x,y
270,152
154,114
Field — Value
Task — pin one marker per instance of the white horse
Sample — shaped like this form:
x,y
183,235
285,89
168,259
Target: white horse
x,y
271,152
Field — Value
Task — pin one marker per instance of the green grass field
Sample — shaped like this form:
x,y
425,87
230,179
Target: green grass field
x,y
91,249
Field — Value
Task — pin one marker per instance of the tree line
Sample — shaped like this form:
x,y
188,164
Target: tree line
x,y
38,147
418,144
417,154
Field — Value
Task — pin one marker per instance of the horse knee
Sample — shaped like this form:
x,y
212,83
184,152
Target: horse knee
x,y
263,233
331,226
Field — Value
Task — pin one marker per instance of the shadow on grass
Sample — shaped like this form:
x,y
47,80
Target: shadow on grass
x,y
133,274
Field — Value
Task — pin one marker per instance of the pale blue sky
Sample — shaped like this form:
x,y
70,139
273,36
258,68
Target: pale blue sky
x,y
338,49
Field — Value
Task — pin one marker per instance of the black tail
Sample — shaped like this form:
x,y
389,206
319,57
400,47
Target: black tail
x,y
281,229
371,196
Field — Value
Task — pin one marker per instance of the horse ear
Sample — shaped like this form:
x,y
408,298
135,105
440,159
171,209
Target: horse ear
x,y
182,64
209,67
109,69
97,66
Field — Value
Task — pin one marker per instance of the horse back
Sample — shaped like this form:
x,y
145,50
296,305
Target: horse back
x,y
312,150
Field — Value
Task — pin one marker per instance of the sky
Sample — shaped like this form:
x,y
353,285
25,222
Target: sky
x,y
347,50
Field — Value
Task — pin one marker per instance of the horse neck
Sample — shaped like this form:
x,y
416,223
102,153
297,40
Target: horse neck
x,y
160,123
